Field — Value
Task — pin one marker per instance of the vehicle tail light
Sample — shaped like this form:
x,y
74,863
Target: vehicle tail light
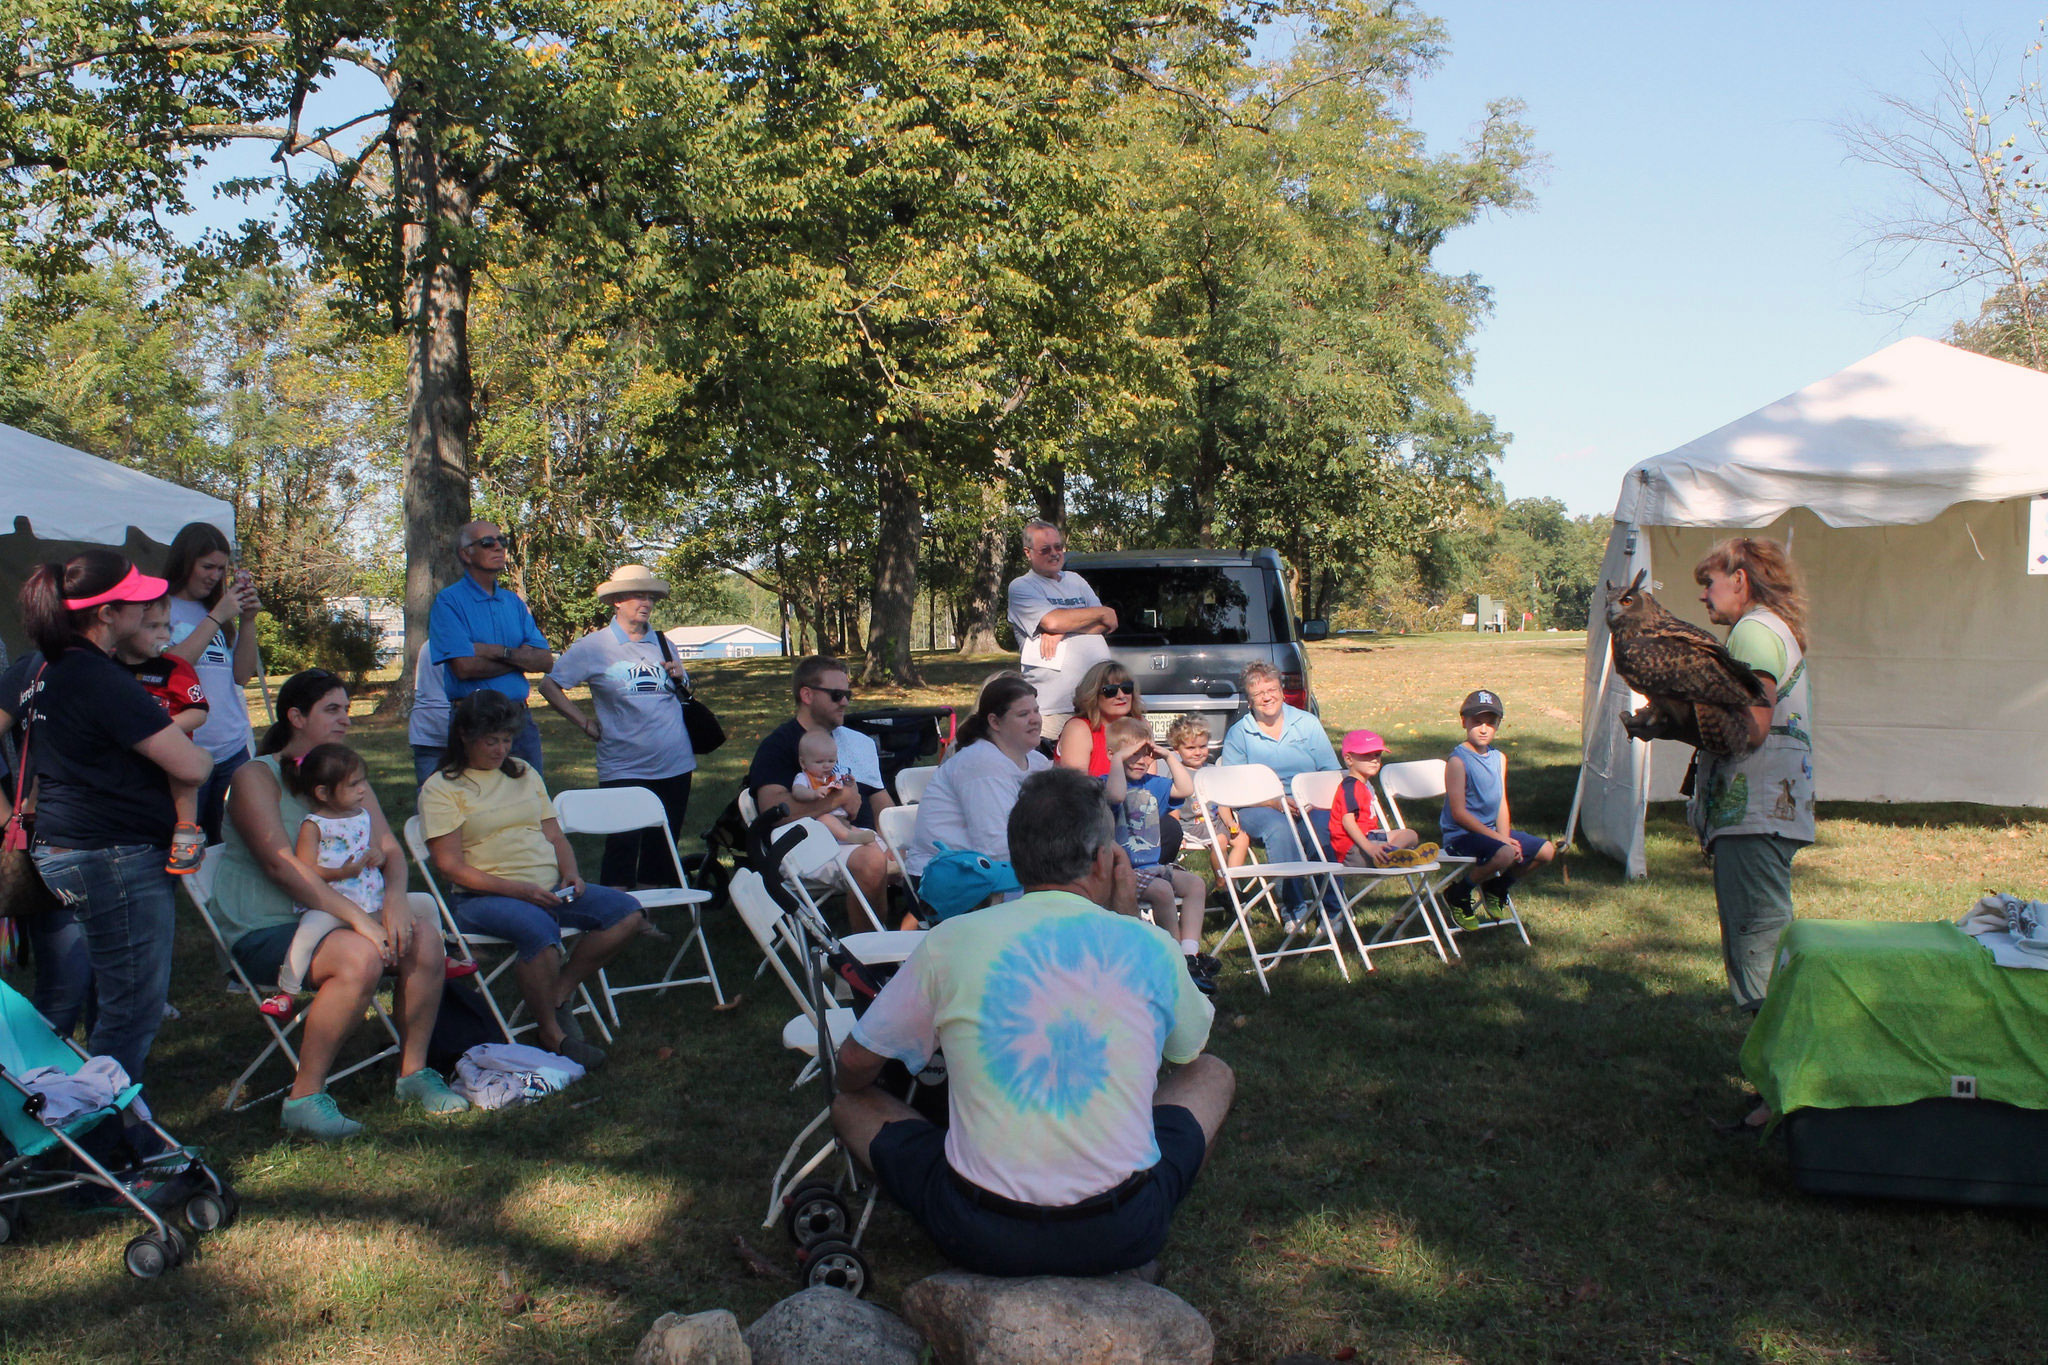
x,y
1294,690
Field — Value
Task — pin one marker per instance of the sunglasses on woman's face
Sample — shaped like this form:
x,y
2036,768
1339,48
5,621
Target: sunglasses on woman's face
x,y
1127,687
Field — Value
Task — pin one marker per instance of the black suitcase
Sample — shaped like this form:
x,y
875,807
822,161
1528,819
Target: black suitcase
x,y
1946,1150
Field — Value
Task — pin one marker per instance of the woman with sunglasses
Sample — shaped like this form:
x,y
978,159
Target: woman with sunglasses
x,y
1107,693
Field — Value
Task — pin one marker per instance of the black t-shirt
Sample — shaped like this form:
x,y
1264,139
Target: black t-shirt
x,y
775,765
96,791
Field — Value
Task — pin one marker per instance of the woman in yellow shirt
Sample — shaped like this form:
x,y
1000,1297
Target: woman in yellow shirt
x,y
491,831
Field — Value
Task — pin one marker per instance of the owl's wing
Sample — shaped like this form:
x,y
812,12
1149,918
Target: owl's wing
x,y
1681,661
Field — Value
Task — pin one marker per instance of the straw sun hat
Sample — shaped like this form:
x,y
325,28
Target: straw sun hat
x,y
631,578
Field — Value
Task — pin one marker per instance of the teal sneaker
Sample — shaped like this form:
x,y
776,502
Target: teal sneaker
x,y
426,1089
316,1117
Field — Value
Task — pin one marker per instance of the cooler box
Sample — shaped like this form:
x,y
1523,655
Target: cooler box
x,y
904,734
1905,1063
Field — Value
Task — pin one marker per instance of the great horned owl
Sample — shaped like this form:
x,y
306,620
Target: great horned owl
x,y
1698,692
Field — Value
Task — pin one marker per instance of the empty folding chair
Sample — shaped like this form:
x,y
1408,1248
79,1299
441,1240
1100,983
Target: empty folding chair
x,y
911,782
466,946
1423,780
1316,791
622,810
199,887
1257,883
819,864
897,825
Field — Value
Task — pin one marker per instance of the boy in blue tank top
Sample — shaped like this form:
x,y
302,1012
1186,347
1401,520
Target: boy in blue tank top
x,y
1475,815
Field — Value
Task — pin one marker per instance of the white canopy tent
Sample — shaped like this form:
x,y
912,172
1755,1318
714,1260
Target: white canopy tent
x,y
59,500
1906,485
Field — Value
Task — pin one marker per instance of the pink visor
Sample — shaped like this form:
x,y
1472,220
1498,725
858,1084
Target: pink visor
x,y
137,586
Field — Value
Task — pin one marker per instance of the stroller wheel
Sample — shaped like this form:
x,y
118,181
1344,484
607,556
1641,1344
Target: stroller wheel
x,y
13,1222
207,1212
151,1254
836,1264
815,1213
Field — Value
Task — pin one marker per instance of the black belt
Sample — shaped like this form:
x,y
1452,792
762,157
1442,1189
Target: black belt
x,y
1106,1202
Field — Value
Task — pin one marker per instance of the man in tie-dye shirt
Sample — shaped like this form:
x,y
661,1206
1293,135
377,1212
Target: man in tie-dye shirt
x,y
1065,1153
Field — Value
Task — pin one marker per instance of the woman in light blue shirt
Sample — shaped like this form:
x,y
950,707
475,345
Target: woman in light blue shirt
x,y
1289,741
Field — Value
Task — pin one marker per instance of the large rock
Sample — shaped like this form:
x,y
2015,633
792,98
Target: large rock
x,y
700,1339
826,1326
976,1320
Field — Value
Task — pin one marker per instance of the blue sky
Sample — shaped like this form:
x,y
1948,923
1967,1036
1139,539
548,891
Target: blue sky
x,y
1693,252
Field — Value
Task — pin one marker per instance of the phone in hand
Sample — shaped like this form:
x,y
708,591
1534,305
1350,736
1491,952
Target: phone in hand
x,y
566,892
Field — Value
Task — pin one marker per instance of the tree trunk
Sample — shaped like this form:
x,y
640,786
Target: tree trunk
x,y
895,601
1208,469
438,388
985,604
1051,495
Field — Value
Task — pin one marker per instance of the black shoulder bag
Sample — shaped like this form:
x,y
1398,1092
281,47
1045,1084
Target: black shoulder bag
x,y
699,723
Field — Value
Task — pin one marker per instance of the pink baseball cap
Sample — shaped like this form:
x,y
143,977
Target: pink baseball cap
x,y
1364,742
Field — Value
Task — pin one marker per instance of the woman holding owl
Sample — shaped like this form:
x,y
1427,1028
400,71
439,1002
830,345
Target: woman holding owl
x,y
1754,812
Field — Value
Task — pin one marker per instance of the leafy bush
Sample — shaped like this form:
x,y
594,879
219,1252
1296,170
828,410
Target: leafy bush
x,y
344,642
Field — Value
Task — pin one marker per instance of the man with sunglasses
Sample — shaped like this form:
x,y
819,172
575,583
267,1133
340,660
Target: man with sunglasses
x,y
822,691
483,636
1051,607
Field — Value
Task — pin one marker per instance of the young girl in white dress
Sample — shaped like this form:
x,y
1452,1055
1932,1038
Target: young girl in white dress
x,y
334,840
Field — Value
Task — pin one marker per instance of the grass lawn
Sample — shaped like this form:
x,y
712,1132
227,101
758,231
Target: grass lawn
x,y
1507,1159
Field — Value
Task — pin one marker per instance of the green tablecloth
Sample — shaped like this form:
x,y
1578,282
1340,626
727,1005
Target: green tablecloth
x,y
1864,1013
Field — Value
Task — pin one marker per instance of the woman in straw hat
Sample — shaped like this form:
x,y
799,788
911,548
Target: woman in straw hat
x,y
634,678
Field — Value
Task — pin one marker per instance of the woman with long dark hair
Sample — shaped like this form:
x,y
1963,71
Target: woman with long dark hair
x,y
102,753
262,882
213,628
968,802
492,832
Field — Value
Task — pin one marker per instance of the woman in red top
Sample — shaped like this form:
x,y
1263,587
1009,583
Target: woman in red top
x,y
1107,692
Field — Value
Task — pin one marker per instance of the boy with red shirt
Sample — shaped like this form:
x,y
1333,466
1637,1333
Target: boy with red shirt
x,y
1356,839
172,682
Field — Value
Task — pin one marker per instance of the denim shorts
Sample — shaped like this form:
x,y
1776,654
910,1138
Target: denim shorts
x,y
533,930
909,1158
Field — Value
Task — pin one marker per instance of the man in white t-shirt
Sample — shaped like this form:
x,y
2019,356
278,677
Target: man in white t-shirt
x,y
1065,1154
1059,623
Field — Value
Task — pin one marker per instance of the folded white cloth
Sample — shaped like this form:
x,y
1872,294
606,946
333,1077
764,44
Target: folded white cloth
x,y
2014,931
67,1094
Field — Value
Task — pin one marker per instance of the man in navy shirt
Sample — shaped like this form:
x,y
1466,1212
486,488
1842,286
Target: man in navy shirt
x,y
482,635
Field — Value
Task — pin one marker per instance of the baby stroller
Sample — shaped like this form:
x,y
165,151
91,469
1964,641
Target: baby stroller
x,y
32,1153
817,1212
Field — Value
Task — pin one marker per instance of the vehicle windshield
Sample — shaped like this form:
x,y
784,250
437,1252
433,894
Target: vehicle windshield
x,y
1192,605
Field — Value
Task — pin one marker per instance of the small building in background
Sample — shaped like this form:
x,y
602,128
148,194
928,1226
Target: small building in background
x,y
722,642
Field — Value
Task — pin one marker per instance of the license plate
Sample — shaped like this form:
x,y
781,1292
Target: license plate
x,y
1162,721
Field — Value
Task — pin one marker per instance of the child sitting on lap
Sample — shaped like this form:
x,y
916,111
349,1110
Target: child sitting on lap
x,y
1139,796
1356,839
1475,816
334,840
1189,740
817,756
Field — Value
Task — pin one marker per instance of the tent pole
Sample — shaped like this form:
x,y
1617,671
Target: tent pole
x,y
1571,824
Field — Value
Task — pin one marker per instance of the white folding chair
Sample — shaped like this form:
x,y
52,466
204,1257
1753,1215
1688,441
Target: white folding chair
x,y
911,782
199,887
1423,780
1241,786
749,812
625,810
819,864
467,944
783,945
897,826
1317,791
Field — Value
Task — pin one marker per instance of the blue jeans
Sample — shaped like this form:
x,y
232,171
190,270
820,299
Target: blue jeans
x,y
126,907
426,758
1273,831
533,930
526,745
213,793
63,992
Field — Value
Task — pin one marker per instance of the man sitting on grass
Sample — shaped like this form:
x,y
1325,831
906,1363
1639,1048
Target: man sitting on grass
x,y
1066,1154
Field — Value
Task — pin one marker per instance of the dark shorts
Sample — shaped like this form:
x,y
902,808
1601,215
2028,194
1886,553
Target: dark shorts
x,y
1463,843
261,952
909,1158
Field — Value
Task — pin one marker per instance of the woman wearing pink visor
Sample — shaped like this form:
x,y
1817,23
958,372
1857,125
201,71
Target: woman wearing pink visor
x,y
101,753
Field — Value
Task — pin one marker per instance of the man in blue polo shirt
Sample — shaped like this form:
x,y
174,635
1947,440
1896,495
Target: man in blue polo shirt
x,y
482,635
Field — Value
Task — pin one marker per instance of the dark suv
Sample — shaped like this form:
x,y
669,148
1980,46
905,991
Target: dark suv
x,y
1188,621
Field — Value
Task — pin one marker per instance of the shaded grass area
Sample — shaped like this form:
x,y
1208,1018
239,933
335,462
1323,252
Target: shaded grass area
x,y
1504,1160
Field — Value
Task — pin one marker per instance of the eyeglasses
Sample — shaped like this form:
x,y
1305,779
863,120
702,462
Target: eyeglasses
x,y
1127,687
490,543
840,695
1059,549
